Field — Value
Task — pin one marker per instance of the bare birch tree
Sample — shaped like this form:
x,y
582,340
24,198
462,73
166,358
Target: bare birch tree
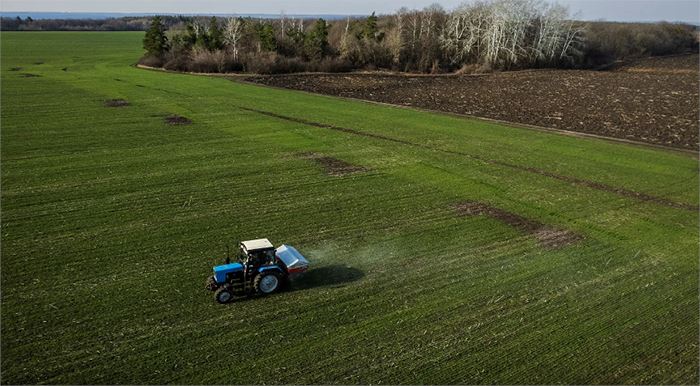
x,y
507,33
395,39
233,30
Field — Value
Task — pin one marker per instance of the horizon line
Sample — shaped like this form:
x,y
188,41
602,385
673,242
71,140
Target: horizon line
x,y
283,13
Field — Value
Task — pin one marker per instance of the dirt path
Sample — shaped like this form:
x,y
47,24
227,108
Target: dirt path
x,y
653,101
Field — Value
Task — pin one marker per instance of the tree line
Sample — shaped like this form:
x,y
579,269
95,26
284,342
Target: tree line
x,y
474,37
111,24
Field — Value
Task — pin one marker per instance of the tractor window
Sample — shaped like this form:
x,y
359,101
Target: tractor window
x,y
254,258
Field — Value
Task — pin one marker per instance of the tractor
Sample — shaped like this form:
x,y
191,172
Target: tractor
x,y
261,269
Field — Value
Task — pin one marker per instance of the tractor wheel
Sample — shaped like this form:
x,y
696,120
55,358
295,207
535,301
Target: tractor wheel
x,y
223,295
267,283
211,284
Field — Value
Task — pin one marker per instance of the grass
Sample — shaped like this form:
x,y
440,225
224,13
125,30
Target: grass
x,y
112,220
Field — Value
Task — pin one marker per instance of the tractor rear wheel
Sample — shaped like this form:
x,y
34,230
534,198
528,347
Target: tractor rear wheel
x,y
223,295
267,283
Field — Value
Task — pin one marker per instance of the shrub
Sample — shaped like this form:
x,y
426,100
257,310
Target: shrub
x,y
367,53
272,63
334,65
204,61
608,42
178,58
218,61
177,62
151,61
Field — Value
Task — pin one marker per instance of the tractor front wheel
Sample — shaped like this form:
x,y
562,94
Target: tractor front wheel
x,y
267,283
211,284
224,295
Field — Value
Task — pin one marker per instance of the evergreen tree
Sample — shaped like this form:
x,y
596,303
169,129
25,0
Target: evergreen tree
x,y
190,37
266,34
370,30
317,41
216,36
155,42
295,38
296,35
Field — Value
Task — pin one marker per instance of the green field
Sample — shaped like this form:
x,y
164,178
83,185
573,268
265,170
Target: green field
x,y
112,220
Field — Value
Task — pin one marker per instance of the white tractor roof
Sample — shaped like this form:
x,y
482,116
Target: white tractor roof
x,y
252,245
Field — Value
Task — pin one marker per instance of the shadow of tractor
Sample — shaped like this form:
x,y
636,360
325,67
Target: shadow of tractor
x,y
329,276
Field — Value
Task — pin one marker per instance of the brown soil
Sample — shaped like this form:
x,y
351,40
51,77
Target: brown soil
x,y
547,237
116,103
333,166
681,64
653,100
556,238
177,120
569,179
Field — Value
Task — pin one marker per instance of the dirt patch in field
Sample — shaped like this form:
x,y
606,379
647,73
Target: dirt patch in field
x,y
116,103
333,166
480,209
177,120
547,237
28,75
654,101
556,238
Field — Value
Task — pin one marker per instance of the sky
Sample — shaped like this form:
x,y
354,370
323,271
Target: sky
x,y
613,10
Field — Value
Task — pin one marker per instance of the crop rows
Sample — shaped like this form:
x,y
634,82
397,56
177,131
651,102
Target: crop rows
x,y
112,219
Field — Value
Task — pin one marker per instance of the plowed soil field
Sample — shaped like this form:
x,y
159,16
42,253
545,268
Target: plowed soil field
x,y
652,100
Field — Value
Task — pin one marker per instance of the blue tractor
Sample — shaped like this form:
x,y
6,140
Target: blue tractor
x,y
261,269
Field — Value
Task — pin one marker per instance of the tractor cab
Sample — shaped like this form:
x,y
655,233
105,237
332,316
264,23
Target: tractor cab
x,y
256,253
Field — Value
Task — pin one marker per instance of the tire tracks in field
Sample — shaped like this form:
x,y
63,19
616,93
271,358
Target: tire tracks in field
x,y
644,197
